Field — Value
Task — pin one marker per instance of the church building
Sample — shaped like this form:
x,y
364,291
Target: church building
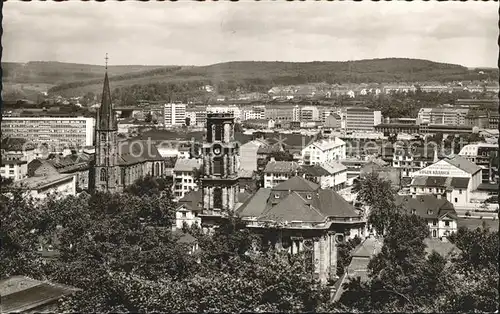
x,y
118,164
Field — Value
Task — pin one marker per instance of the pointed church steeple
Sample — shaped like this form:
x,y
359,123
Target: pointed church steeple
x,y
106,119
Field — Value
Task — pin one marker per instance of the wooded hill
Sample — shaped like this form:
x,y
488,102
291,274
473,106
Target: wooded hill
x,y
250,75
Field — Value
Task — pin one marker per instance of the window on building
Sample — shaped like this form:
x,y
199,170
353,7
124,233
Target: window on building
x,y
429,212
218,197
218,132
103,175
456,200
430,189
218,165
447,223
157,170
434,222
434,233
460,191
184,214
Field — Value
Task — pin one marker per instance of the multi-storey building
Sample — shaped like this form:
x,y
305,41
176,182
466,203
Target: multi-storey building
x,y
439,213
280,113
484,155
452,178
234,110
219,181
255,113
56,132
361,119
277,172
185,176
309,113
175,114
409,161
14,169
323,151
448,116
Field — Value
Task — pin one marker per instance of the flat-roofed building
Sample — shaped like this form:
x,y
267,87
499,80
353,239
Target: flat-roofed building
x,y
56,132
361,119
174,114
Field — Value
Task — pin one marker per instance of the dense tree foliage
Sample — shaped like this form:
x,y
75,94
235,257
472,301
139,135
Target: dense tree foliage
x,y
377,194
120,250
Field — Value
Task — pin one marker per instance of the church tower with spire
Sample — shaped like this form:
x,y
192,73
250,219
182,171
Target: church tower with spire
x,y
106,170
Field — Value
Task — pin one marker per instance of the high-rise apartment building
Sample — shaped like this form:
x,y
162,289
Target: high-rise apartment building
x,y
175,114
56,132
361,119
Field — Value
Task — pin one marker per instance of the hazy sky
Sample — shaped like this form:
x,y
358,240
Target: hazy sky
x,y
199,33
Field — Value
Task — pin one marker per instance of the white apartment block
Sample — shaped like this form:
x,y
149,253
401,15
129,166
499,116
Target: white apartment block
x,y
361,119
174,114
309,113
324,151
236,111
56,132
442,116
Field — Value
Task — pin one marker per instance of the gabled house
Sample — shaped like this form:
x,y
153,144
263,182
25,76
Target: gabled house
x,y
188,208
439,213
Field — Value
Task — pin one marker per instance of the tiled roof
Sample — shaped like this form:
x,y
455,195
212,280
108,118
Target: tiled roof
x,y
463,164
192,200
331,204
21,294
461,183
255,205
13,162
445,182
187,165
328,144
315,171
292,208
427,206
34,183
281,167
333,167
296,184
296,199
137,151
444,248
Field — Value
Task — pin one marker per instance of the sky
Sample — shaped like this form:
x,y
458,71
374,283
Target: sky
x,y
202,33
